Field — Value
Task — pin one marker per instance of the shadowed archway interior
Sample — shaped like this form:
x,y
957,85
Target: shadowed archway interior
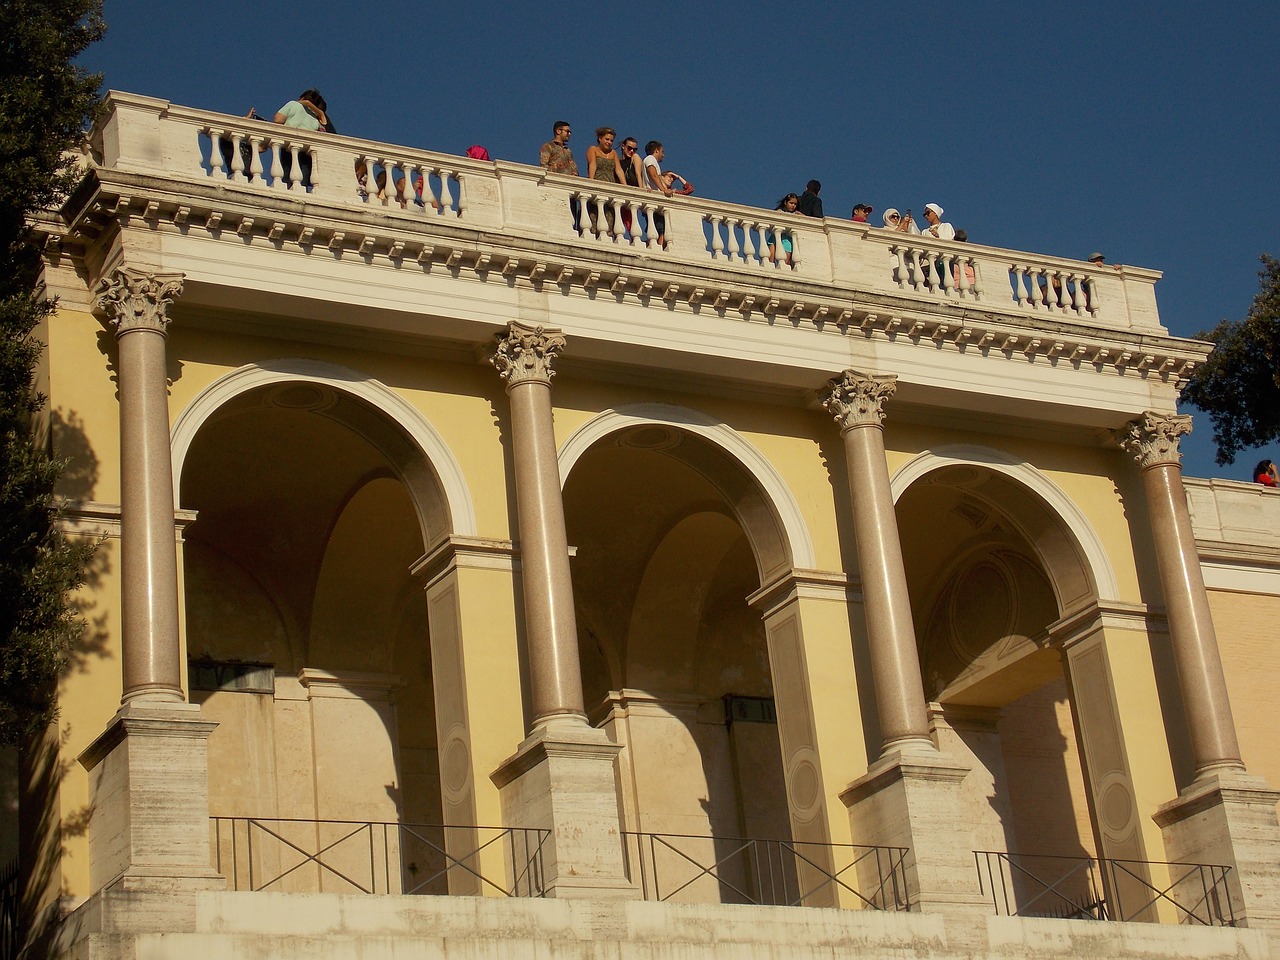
x,y
307,637
671,536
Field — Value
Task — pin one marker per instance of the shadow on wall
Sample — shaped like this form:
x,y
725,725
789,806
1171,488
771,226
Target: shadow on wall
x,y
79,480
33,805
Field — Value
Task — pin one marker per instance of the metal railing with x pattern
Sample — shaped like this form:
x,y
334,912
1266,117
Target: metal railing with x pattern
x,y
769,872
256,853
1084,888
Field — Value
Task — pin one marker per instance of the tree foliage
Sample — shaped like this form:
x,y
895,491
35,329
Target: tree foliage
x,y
45,104
1239,385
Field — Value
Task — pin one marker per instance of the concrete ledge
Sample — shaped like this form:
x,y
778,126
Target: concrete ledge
x,y
355,927
347,927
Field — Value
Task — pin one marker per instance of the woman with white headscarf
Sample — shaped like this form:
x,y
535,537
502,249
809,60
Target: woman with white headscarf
x,y
895,221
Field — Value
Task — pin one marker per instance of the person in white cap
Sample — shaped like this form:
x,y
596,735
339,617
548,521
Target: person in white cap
x,y
936,228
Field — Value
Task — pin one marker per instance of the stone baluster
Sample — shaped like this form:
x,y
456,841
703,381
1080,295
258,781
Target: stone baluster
x,y
756,249
1018,277
963,266
524,358
136,306
897,266
1036,297
916,274
415,172
437,200
732,249
856,401
277,165
386,190
717,246
946,268
1077,293
237,161
447,202
295,171
252,165
1153,442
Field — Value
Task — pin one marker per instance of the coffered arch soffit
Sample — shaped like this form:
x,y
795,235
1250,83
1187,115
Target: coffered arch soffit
x,y
1085,563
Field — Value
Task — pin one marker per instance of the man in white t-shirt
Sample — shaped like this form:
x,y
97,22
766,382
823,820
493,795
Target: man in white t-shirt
x,y
654,180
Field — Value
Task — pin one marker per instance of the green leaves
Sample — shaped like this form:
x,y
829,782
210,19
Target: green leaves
x,y
1239,385
46,105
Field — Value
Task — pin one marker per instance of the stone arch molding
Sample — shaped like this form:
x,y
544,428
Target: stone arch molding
x,y
722,436
998,461
437,458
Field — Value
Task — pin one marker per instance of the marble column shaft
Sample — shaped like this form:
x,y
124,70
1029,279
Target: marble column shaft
x,y
1153,441
524,357
856,401
135,303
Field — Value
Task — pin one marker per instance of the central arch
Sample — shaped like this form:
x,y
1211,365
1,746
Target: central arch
x,y
677,520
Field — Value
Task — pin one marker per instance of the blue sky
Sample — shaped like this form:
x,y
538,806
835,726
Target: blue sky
x,y
1145,130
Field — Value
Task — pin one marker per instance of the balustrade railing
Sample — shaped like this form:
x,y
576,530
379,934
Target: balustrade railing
x,y
699,869
1083,888
620,215
349,856
759,240
523,200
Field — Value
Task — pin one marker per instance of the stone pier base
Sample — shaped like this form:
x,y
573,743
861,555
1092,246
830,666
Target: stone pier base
x,y
149,789
913,799
562,779
1230,818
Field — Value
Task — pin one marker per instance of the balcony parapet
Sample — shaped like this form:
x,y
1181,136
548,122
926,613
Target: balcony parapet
x,y
143,135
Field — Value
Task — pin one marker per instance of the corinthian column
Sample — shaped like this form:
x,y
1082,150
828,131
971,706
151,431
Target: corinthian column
x,y
135,303
1153,441
1225,815
857,403
561,778
524,357
910,796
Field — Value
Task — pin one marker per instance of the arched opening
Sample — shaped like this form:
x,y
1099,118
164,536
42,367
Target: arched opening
x,y
307,637
671,536
990,568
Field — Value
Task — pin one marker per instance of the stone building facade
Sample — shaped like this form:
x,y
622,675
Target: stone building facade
x,y
474,581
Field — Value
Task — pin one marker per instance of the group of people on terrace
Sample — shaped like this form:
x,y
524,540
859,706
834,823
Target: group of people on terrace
x,y
612,162
809,204
606,164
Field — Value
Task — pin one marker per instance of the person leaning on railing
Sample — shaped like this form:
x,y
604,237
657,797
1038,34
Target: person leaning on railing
x,y
308,112
556,157
787,204
604,164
